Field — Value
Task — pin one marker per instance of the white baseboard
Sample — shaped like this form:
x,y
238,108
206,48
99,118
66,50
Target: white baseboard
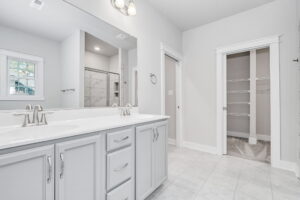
x,y
287,165
171,141
200,147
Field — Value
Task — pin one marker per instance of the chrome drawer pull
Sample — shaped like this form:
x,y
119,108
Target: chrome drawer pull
x,y
121,140
49,169
126,198
154,134
121,168
62,165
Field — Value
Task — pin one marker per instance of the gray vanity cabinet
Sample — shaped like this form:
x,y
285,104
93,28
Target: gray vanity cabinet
x,y
80,169
151,158
160,154
27,174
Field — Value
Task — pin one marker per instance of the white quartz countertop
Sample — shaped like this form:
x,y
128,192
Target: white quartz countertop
x,y
14,136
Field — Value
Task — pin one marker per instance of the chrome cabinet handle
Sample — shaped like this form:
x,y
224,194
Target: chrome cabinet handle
x,y
62,165
154,134
157,134
126,198
121,140
121,168
49,169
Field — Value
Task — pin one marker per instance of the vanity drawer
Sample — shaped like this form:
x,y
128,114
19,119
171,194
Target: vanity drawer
x,y
122,138
119,167
123,192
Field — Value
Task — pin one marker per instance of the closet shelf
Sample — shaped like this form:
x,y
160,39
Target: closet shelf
x,y
239,114
238,134
263,90
263,78
238,91
238,103
237,80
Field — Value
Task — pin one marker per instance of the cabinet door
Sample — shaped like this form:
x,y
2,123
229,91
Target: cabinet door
x,y
160,159
144,170
27,174
80,166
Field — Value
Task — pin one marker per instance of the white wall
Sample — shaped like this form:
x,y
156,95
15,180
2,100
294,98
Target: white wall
x,y
15,40
199,46
72,56
132,63
114,65
151,28
96,61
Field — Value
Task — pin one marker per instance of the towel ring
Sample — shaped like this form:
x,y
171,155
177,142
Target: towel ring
x,y
153,78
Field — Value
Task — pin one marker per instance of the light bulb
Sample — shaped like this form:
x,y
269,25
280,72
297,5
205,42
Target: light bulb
x,y
96,48
120,3
131,9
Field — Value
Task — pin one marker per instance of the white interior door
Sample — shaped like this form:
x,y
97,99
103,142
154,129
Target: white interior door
x,y
170,96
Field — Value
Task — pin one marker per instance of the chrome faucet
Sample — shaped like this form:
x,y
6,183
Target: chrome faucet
x,y
35,115
125,111
36,120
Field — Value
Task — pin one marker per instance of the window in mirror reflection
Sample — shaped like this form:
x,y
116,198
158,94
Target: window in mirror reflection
x,y
21,76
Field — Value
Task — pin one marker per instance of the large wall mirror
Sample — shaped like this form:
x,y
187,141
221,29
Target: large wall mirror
x,y
58,56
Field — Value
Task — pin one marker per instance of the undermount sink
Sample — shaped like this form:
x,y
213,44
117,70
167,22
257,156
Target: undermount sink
x,y
37,130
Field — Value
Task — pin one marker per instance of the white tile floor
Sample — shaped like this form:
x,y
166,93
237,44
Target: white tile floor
x,y
194,175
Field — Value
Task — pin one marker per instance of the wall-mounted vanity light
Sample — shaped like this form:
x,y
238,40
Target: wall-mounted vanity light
x,y
126,7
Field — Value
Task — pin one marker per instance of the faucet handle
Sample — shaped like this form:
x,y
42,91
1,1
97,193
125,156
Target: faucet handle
x,y
29,107
38,107
43,118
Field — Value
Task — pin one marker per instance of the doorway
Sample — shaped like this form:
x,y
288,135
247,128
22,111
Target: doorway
x,y
248,105
272,43
170,97
171,92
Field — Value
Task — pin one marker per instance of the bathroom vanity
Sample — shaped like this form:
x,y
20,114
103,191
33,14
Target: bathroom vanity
x,y
109,157
84,71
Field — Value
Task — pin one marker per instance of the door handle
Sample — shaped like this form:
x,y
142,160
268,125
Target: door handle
x,y
157,134
62,165
49,169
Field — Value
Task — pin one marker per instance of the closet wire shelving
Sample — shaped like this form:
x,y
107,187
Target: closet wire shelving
x,y
260,81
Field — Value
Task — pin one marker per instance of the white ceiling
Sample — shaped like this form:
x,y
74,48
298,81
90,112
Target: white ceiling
x,y
57,20
188,14
105,48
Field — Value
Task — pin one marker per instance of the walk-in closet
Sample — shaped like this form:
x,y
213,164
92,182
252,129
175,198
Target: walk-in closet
x,y
248,105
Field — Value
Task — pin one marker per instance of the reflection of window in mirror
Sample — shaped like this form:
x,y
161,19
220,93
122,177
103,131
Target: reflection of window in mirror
x,y
20,76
